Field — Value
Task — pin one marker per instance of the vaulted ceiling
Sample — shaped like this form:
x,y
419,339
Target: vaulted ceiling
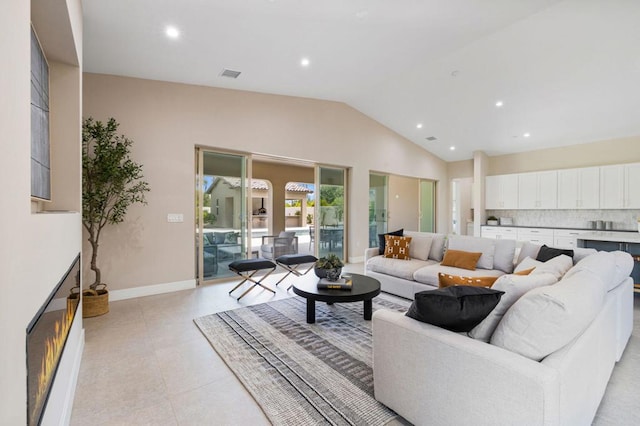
x,y
566,72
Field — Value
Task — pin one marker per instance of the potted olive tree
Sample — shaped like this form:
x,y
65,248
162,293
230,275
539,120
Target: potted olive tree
x,y
111,182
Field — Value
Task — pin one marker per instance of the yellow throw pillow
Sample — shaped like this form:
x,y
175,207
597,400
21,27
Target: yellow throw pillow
x,y
396,247
446,280
461,259
524,271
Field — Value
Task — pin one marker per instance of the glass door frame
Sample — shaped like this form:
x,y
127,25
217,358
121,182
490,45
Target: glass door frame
x,y
245,222
422,226
317,209
380,220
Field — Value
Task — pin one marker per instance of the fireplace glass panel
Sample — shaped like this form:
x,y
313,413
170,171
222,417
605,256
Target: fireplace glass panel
x,y
46,337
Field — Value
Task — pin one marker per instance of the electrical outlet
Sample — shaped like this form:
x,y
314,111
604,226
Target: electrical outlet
x,y
175,217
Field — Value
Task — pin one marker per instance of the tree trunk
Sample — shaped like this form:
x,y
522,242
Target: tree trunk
x,y
94,257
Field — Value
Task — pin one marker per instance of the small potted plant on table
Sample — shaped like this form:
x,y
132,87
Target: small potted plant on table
x,y
329,267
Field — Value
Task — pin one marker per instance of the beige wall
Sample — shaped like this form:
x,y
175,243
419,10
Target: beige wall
x,y
404,203
35,249
616,151
167,120
460,169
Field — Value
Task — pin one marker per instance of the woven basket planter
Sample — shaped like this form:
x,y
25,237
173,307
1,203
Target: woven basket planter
x,y
95,302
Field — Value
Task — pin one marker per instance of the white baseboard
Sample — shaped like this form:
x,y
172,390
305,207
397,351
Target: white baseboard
x,y
150,290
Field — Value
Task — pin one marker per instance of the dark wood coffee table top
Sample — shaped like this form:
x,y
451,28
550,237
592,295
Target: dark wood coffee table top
x,y
363,290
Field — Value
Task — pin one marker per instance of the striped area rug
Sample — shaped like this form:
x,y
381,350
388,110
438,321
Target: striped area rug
x,y
303,373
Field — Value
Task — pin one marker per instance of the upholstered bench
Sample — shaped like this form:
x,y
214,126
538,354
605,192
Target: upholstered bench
x,y
291,262
247,268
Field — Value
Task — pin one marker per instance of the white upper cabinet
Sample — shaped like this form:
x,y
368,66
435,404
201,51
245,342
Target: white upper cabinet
x,y
579,188
632,186
619,186
538,190
501,192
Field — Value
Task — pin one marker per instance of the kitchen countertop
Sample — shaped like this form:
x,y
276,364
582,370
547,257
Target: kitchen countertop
x,y
577,228
614,236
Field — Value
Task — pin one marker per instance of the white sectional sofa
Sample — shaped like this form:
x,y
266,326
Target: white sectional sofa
x,y
406,277
547,362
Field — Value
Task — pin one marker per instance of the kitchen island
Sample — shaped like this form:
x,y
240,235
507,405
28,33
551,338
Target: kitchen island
x,y
612,241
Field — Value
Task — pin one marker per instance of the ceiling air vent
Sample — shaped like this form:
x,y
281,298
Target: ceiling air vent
x,y
229,73
431,138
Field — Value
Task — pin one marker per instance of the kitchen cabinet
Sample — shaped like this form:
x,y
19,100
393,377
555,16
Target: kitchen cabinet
x,y
566,238
538,190
536,235
620,186
499,232
579,188
501,192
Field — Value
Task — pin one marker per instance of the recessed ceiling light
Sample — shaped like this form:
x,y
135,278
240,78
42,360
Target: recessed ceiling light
x,y
419,125
526,135
499,104
305,62
452,148
172,32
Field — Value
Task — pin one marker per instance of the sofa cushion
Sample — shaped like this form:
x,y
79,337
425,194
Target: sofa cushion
x,y
397,247
505,252
457,308
547,318
557,266
397,268
437,243
429,274
219,237
531,250
546,253
420,247
381,239
610,267
514,287
461,259
486,246
446,280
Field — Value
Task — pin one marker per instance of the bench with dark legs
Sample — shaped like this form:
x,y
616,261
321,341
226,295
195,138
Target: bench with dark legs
x,y
247,268
291,262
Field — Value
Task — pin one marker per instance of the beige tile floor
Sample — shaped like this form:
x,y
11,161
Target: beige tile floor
x,y
146,363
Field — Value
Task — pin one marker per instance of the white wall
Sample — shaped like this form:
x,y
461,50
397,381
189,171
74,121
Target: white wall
x,y
35,249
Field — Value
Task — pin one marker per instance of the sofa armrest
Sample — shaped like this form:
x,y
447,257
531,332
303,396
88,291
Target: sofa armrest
x,y
433,376
371,252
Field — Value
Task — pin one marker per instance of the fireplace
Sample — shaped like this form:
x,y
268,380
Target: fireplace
x,y
46,337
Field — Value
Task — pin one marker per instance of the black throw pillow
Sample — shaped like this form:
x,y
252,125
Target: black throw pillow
x,y
456,308
547,253
382,245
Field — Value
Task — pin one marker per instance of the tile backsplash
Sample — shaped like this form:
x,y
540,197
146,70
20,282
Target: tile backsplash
x,y
623,220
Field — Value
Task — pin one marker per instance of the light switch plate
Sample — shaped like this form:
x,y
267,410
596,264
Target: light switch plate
x,y
175,217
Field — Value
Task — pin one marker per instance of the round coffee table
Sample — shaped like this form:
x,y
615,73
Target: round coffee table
x,y
363,290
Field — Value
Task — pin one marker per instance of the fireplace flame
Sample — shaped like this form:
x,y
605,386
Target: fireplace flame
x,y
53,349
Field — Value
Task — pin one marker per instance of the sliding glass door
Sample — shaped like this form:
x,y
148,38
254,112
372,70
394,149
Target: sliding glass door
x,y
221,212
331,211
427,205
378,190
